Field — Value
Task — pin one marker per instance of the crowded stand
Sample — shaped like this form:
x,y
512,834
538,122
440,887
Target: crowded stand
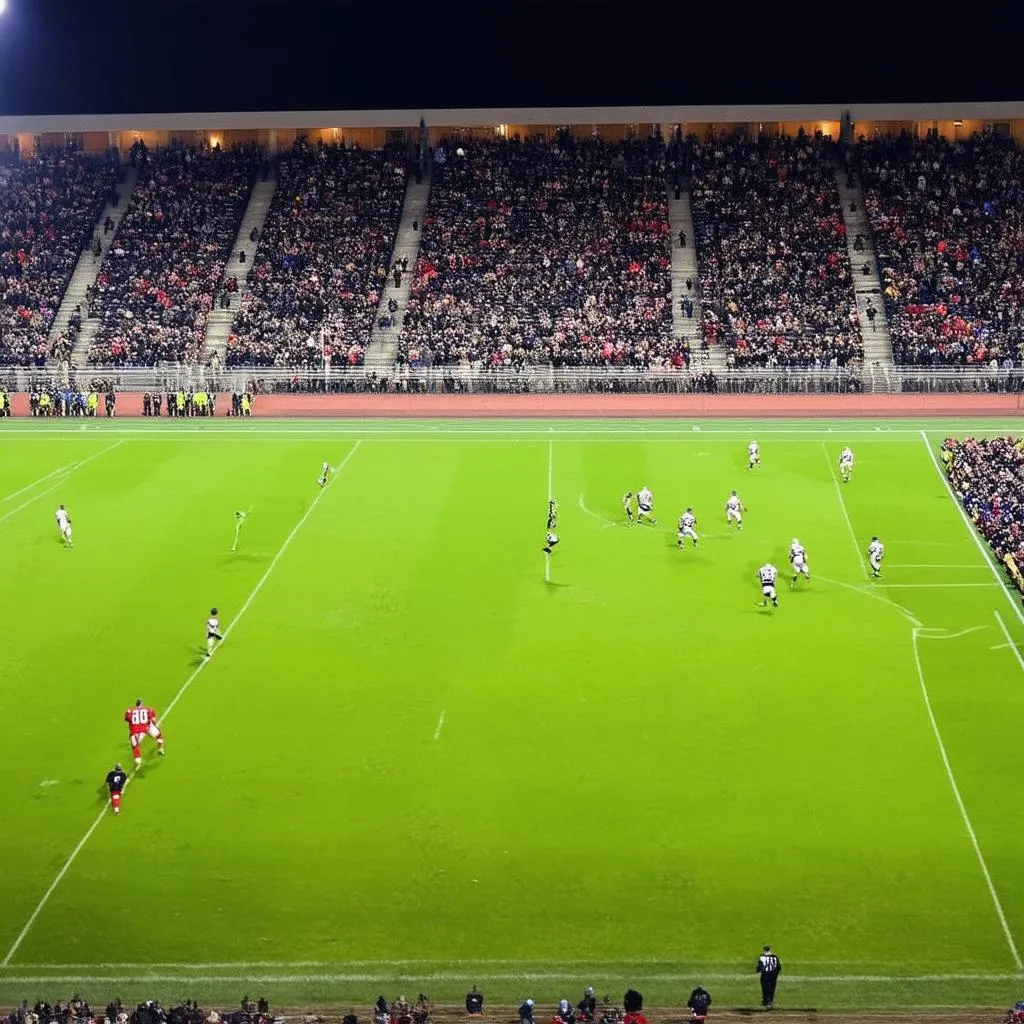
x,y
987,477
322,259
544,251
774,273
48,207
948,222
156,284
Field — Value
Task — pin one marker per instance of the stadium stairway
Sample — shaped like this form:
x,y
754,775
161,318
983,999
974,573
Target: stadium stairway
x,y
878,362
380,355
88,267
218,323
684,265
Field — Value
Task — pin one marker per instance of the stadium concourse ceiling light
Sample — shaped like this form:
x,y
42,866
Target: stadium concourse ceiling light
x,y
3,6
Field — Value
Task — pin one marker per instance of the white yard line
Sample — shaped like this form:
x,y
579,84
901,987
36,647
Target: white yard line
x,y
170,707
842,505
868,592
67,470
33,500
595,515
917,635
551,489
1009,641
982,547
440,726
34,484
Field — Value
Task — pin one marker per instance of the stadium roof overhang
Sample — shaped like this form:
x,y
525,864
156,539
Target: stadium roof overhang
x,y
469,118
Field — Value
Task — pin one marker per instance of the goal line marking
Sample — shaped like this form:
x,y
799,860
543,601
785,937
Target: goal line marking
x,y
34,916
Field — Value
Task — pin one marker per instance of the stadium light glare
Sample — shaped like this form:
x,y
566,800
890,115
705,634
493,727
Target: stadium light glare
x,y
3,6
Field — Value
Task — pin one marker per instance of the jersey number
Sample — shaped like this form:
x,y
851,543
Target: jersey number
x,y
140,716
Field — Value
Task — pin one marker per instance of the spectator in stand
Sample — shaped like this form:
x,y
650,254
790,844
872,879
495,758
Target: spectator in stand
x,y
775,279
988,479
322,259
48,208
548,251
156,284
948,220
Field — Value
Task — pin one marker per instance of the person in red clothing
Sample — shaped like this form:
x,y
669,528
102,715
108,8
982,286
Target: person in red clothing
x,y
142,721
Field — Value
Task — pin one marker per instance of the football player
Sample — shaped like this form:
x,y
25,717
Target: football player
x,y
876,552
734,511
645,506
64,525
798,561
767,575
687,522
142,722
846,464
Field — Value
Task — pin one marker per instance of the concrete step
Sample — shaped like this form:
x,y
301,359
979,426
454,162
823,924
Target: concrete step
x,y
383,347
867,287
87,268
219,321
684,265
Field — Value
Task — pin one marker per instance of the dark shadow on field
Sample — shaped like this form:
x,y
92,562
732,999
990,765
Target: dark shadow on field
x,y
553,585
241,556
197,659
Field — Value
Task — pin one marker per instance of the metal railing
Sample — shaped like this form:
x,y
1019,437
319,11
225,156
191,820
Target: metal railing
x,y
699,378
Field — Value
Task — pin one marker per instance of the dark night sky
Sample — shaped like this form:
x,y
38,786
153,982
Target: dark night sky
x,y
151,56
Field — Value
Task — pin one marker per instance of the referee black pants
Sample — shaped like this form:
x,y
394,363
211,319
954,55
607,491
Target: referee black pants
x,y
769,979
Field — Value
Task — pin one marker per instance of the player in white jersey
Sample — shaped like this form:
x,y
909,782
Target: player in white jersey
x,y
876,552
798,560
753,455
551,536
213,633
768,574
734,510
687,522
846,464
627,506
645,505
64,525
325,472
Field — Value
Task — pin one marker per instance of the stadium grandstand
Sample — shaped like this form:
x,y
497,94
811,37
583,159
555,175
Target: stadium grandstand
x,y
709,248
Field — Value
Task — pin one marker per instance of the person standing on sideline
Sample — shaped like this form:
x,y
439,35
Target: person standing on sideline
x,y
769,967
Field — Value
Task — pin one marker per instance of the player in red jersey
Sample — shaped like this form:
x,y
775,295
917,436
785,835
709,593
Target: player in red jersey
x,y
142,722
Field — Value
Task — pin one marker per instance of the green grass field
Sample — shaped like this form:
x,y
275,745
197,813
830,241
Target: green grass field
x,y
414,758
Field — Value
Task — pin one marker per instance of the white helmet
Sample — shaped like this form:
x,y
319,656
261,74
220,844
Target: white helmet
x,y
796,543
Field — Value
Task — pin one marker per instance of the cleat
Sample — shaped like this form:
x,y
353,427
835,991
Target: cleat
x,y
161,751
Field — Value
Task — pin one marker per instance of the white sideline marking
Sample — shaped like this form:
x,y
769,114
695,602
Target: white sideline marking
x,y
551,477
842,505
67,470
581,971
1009,641
867,591
34,484
921,634
170,707
970,529
440,725
866,435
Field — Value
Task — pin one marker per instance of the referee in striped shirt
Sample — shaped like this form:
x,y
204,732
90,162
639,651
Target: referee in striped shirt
x,y
769,968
